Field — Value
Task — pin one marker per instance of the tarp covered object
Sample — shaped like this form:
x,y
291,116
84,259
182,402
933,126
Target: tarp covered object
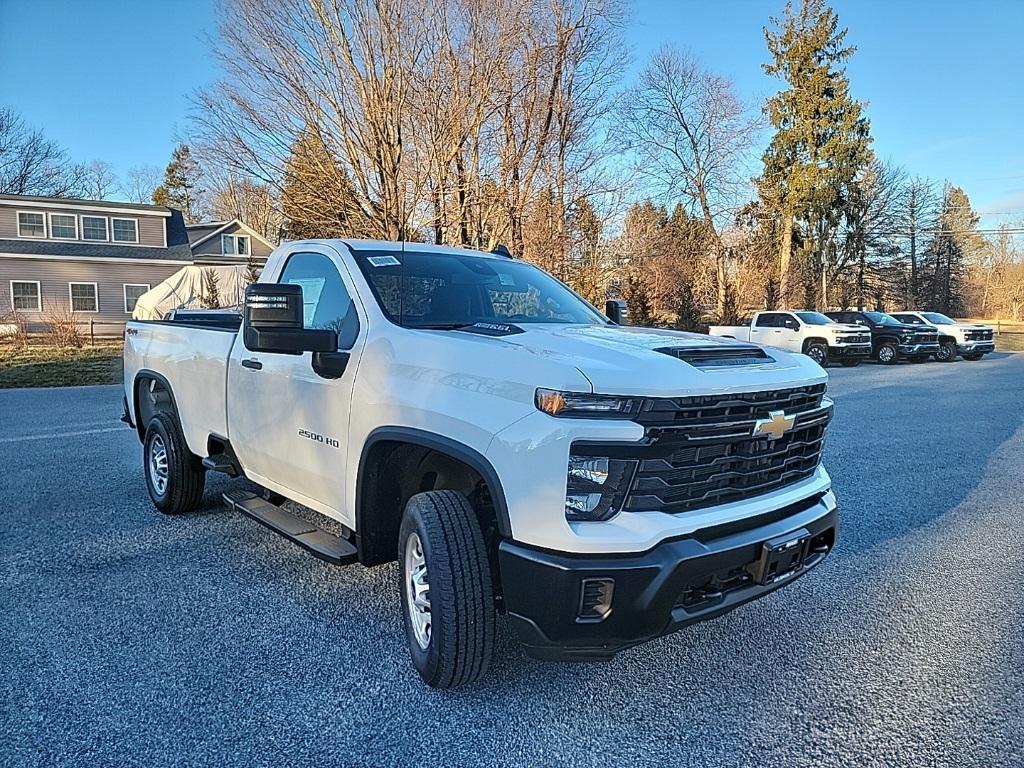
x,y
185,290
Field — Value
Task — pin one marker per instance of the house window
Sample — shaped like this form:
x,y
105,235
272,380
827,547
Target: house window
x,y
234,245
94,228
125,230
31,224
132,292
63,226
83,297
25,295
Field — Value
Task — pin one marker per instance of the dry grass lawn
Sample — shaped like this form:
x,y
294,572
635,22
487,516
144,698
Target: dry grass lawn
x,y
49,366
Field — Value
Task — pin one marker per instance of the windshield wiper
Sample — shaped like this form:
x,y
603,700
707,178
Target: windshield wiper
x,y
439,326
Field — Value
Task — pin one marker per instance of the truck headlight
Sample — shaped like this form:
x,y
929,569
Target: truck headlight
x,y
596,486
582,405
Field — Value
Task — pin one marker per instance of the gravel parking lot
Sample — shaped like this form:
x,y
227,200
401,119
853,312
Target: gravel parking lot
x,y
129,638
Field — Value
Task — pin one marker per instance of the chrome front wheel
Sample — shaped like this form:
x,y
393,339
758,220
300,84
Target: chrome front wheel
x,y
417,590
158,464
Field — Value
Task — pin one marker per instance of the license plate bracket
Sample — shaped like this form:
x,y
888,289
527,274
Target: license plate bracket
x,y
781,557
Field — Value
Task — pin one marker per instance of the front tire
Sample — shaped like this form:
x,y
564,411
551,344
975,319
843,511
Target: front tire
x,y
447,597
947,352
175,476
887,354
818,352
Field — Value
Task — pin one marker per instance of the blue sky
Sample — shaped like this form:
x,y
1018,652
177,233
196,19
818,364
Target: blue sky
x,y
111,79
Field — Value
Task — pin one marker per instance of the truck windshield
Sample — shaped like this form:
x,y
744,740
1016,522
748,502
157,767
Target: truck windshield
x,y
424,289
938,318
880,318
815,318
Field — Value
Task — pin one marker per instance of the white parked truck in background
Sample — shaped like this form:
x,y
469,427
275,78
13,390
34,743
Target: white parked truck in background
x,y
811,333
516,451
971,340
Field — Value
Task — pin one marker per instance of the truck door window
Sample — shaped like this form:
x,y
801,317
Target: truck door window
x,y
326,301
769,320
788,321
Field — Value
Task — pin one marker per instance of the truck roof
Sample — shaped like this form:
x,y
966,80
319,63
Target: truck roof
x,y
397,245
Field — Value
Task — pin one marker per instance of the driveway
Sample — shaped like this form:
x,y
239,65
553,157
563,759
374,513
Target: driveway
x,y
130,638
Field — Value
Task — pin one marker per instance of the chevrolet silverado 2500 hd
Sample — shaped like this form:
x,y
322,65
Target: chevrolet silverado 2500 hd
x,y
972,340
513,449
892,340
819,337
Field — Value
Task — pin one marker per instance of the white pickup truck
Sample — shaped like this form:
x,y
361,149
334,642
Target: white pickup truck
x,y
971,340
516,451
812,333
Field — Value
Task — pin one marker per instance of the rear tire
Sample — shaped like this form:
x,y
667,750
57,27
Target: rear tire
x,y
887,354
175,477
818,352
947,352
447,597
852,362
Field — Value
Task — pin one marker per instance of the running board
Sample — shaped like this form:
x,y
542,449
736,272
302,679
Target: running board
x,y
310,537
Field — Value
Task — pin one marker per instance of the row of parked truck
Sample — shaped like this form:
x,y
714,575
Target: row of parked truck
x,y
849,337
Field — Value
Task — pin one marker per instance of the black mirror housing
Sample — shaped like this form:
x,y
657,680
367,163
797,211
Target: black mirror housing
x,y
617,311
272,322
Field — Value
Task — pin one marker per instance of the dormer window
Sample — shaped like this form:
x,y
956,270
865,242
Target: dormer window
x,y
234,245
31,224
63,226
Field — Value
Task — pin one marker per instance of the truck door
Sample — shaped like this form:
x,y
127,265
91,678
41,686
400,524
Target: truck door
x,y
776,329
288,424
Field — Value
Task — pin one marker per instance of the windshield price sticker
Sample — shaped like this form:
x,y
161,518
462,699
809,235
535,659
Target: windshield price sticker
x,y
383,261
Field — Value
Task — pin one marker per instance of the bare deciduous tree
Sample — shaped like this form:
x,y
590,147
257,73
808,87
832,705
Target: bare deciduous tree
x,y
692,137
31,164
140,181
98,180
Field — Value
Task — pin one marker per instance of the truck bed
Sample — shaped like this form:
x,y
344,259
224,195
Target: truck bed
x,y
192,354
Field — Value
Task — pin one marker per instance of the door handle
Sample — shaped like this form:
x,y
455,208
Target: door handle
x,y
330,365
252,364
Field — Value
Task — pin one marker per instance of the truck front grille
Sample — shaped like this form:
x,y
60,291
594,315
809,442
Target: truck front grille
x,y
979,335
925,338
703,451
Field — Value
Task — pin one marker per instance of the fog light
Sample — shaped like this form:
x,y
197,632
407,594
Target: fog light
x,y
595,599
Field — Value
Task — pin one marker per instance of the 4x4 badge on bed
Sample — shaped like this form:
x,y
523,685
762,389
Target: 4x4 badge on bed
x,y
775,426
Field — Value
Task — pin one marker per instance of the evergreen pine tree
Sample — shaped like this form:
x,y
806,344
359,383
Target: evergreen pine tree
x,y
211,290
183,185
822,139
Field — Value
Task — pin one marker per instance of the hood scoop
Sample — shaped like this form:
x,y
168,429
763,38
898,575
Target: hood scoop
x,y
718,356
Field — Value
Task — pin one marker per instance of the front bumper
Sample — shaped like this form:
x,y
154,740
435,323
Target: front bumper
x,y
973,347
849,350
676,583
919,349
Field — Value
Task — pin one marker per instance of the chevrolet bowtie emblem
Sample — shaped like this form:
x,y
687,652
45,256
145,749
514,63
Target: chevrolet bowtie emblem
x,y
775,426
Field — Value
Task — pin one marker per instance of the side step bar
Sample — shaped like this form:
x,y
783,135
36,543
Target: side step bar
x,y
315,540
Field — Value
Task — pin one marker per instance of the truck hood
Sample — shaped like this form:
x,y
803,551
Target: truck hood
x,y
973,326
625,360
847,327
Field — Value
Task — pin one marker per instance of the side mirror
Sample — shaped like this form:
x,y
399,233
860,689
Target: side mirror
x,y
617,311
272,322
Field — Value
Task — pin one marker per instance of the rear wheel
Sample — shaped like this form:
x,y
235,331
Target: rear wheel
x,y
447,598
947,352
851,362
818,352
175,476
887,354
